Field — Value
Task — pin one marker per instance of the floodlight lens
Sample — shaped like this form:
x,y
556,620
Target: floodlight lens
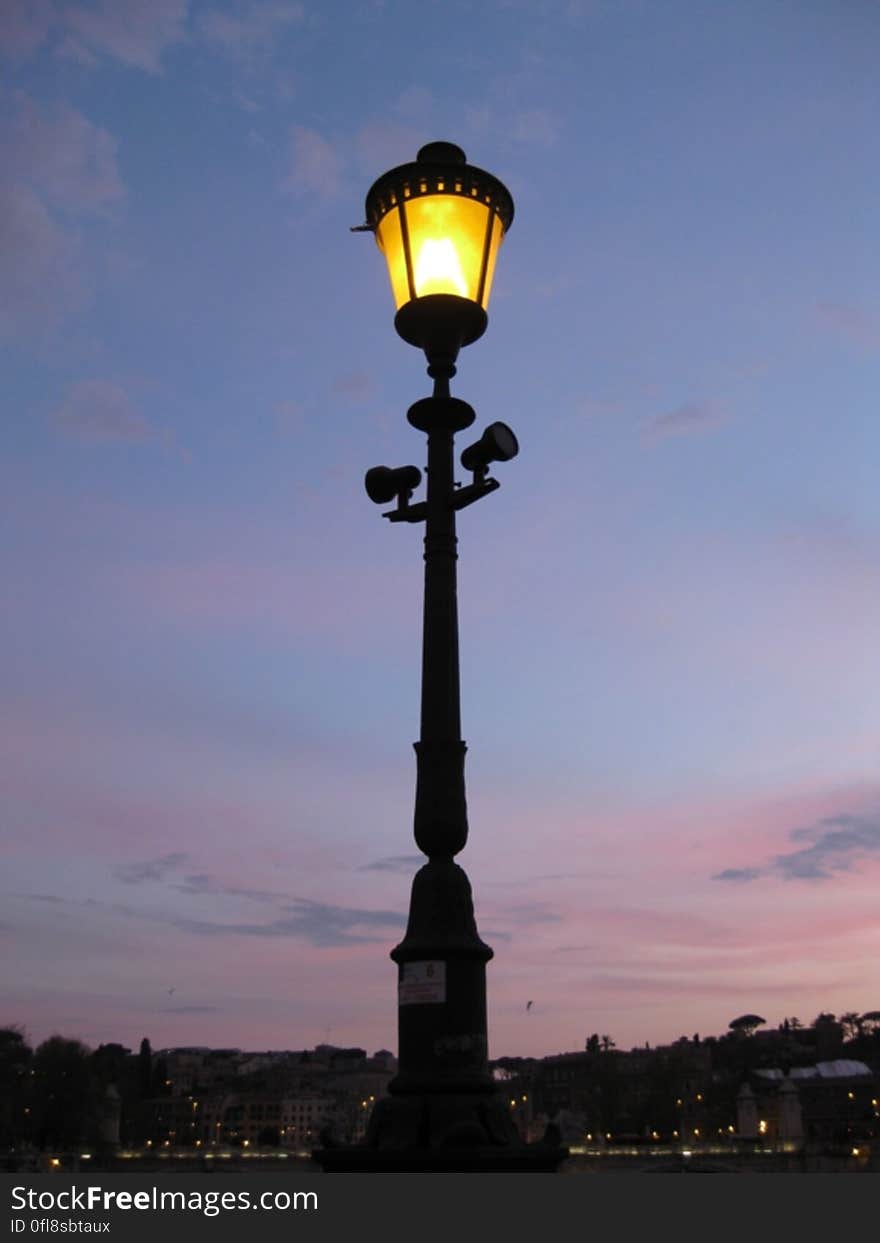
x,y
504,443
497,444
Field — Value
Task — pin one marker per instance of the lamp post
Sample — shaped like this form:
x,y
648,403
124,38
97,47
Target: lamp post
x,y
440,222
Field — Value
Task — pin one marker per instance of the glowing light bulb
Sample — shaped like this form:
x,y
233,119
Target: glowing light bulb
x,y
438,269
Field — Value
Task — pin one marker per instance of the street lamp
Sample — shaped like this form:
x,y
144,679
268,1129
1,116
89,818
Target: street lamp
x,y
439,223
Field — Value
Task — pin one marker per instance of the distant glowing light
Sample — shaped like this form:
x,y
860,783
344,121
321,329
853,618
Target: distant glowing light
x,y
438,269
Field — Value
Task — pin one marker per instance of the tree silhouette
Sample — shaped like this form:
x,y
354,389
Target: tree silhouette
x,y
15,1058
746,1023
145,1070
851,1024
61,1092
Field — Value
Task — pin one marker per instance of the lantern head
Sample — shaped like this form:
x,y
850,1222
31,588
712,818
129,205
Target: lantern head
x,y
439,223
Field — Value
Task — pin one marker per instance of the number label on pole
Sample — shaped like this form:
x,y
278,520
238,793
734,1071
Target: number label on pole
x,y
422,983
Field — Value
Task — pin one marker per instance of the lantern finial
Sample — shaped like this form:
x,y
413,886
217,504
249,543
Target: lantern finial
x,y
441,153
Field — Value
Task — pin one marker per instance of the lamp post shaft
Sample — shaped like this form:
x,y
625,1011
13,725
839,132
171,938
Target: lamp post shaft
x,y
441,713
440,810
443,1044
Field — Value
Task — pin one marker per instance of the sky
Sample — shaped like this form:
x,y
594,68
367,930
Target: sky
x,y
210,639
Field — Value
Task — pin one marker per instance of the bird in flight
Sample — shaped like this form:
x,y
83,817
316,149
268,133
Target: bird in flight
x,y
529,1005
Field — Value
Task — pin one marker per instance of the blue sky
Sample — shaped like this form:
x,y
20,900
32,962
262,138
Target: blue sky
x,y
669,610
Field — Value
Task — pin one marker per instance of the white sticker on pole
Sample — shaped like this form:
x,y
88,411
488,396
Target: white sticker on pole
x,y
422,983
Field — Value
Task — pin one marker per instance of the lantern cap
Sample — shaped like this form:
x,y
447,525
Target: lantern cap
x,y
439,168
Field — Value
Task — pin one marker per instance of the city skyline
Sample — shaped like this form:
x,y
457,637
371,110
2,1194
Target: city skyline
x,y
211,640
853,1025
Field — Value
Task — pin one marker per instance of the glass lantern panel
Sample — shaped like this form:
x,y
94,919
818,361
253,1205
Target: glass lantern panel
x,y
494,244
447,233
389,239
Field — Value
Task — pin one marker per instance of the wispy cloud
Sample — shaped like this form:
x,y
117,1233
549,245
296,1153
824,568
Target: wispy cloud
x,y
149,869
24,27
853,322
315,166
58,165
536,127
693,416
738,874
319,923
101,410
834,844
40,270
355,386
136,32
394,863
252,31
62,155
527,914
203,885
384,143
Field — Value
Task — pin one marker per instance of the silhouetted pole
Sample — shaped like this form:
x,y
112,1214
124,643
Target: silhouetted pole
x,y
443,1044
439,222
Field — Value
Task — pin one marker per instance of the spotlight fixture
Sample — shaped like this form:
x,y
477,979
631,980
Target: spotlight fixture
x,y
384,484
497,444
